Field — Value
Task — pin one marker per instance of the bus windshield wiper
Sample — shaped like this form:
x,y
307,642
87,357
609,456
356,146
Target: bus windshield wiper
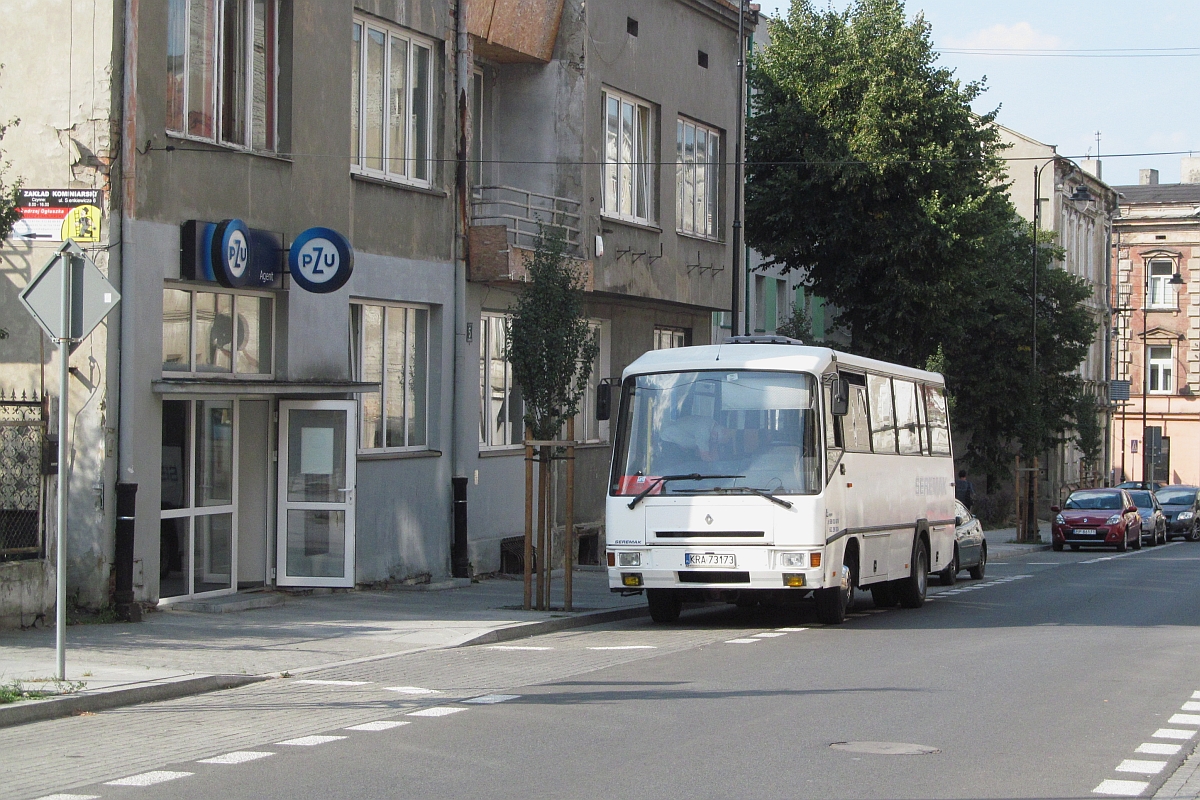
x,y
665,479
779,501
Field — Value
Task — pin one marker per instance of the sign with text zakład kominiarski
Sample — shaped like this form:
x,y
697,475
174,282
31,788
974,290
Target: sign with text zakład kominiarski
x,y
55,215
230,253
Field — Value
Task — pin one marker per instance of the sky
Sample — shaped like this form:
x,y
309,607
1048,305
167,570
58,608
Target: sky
x,y
1139,104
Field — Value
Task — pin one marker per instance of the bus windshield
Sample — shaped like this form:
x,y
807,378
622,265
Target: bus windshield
x,y
758,426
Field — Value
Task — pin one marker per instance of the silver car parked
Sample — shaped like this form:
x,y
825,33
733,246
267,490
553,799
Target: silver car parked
x,y
970,548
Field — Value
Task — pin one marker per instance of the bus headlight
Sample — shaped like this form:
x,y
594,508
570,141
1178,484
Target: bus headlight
x,y
793,560
629,559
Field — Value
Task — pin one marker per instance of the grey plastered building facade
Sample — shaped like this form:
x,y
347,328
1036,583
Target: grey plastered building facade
x,y
284,437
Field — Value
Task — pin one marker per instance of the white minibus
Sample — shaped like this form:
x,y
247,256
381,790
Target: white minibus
x,y
762,470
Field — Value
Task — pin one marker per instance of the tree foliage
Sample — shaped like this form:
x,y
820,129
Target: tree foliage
x,y
9,193
797,326
550,345
869,171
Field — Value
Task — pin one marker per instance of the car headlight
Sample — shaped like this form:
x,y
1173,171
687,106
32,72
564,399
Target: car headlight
x,y
629,559
1115,519
793,560
1059,520
1184,515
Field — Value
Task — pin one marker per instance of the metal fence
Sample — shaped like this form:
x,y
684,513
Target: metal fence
x,y
524,213
22,438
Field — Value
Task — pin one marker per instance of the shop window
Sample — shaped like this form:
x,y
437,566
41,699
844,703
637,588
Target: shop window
x,y
222,65
391,102
501,407
390,346
628,190
217,332
1162,369
697,176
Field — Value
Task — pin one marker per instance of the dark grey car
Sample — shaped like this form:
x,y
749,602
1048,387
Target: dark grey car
x,y
1180,507
1154,522
970,548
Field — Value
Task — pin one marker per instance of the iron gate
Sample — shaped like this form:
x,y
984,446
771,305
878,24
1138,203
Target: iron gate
x,y
22,438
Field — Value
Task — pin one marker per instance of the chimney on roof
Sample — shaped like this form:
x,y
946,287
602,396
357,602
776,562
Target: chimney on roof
x,y
1092,167
1148,177
1189,169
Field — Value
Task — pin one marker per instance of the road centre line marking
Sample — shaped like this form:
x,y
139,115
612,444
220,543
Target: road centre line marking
x,y
236,757
334,683
797,630
491,699
436,711
1184,719
742,641
410,690
148,778
1173,733
311,741
1121,788
1158,748
70,797
769,634
381,725
1142,767
626,647
516,647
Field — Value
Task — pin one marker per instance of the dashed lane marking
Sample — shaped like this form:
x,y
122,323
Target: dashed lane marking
x,y
1196,695
1191,705
381,725
1141,767
791,630
1158,748
1185,719
70,797
1121,788
436,711
626,647
769,634
334,683
516,647
1173,733
742,641
311,741
148,778
490,699
236,757
410,690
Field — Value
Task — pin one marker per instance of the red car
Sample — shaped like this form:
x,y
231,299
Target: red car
x,y
1097,516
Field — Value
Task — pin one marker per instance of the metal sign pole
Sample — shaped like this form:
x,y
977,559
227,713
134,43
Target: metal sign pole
x,y
64,366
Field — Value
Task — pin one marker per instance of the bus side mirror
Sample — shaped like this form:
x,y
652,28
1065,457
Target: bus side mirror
x,y
840,397
604,400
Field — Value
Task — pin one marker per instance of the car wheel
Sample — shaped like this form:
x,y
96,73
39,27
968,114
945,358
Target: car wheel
x,y
665,605
884,595
1056,547
1074,548
1192,534
978,570
833,602
1164,535
1152,542
1123,545
949,576
912,589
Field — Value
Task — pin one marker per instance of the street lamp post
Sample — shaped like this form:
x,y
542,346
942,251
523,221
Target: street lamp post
x,y
1148,458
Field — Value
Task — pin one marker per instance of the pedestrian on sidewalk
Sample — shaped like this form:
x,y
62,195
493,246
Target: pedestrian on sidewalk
x,y
964,490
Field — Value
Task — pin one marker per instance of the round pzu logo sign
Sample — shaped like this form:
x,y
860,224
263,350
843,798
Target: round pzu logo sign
x,y
231,253
320,260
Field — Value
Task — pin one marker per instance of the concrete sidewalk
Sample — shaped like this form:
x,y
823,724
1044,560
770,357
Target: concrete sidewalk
x,y
1002,544
174,652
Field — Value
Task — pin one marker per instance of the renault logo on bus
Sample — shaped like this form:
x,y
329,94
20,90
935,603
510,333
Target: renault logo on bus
x,y
708,518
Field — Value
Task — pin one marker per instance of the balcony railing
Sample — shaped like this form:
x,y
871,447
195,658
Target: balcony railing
x,y
524,214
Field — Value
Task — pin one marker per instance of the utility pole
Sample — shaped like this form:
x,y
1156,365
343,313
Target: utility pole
x,y
737,169
459,566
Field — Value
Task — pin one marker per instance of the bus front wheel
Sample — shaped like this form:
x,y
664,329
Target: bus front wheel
x,y
665,605
833,602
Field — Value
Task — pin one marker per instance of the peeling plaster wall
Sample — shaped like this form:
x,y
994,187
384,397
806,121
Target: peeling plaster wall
x,y
67,98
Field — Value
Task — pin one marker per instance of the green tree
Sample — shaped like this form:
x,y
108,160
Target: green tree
x,y
869,171
550,345
9,193
797,326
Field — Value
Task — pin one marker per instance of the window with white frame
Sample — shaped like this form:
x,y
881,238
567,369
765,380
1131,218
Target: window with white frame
x,y
389,345
391,103
668,338
1162,293
501,407
477,107
628,191
697,176
222,65
587,427
212,332
1162,368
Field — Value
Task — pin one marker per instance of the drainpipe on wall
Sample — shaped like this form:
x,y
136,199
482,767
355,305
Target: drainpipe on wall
x,y
459,563
737,174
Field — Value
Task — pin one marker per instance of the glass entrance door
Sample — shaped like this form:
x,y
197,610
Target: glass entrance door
x,y
316,493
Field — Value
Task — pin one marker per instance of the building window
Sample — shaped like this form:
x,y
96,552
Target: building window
x,y
1162,368
783,308
389,345
501,409
477,106
391,101
760,304
587,427
628,158
1162,293
667,338
222,64
697,176
199,332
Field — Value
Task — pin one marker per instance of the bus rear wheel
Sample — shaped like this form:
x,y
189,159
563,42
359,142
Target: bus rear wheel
x,y
912,589
665,605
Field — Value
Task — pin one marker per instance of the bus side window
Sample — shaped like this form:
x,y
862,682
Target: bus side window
x,y
939,422
856,425
883,417
908,419
833,433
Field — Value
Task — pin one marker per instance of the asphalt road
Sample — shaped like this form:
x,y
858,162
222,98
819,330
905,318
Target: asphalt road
x,y
1039,683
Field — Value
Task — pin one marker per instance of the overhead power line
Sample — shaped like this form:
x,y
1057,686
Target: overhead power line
x,y
1099,52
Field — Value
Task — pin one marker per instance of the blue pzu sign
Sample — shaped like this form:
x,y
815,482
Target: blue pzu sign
x,y
320,260
229,253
